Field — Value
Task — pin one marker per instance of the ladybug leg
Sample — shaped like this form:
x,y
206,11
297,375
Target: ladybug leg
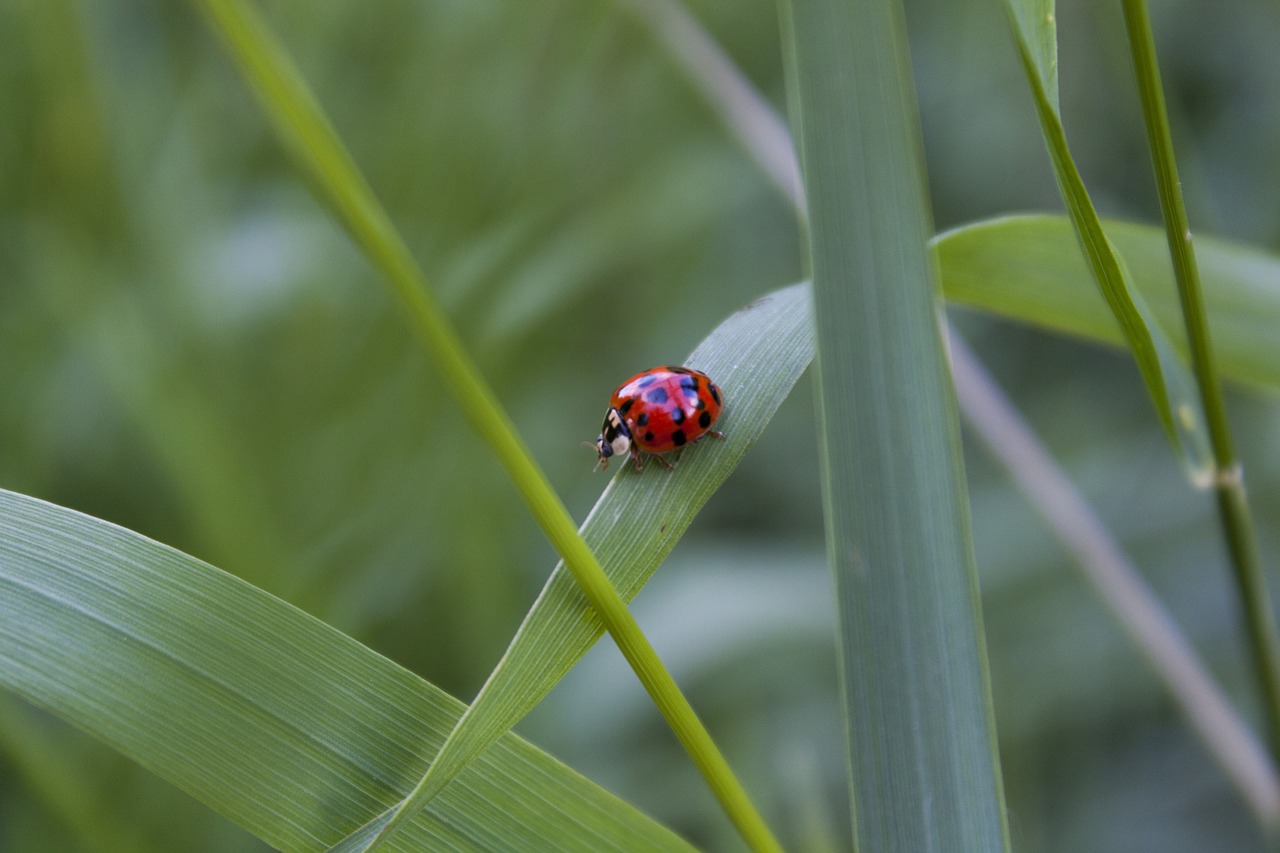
x,y
635,457
711,433
665,464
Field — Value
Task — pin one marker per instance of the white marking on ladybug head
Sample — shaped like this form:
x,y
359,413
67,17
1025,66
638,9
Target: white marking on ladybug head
x,y
614,439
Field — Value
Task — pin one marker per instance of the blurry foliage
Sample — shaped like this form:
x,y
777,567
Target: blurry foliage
x,y
190,347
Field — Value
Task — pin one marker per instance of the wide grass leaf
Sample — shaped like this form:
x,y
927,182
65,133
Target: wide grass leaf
x,y
1029,268
756,356
1026,268
307,131
129,619
921,752
284,725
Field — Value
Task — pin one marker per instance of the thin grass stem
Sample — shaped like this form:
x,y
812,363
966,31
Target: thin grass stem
x,y
304,128
1228,478
1060,504
752,121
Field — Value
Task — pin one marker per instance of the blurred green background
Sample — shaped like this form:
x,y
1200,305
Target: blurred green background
x,y
190,348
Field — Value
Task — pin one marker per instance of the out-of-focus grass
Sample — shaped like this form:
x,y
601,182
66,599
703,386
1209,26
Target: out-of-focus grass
x,y
190,348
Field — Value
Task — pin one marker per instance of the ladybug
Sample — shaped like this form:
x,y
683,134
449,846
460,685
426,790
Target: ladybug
x,y
658,411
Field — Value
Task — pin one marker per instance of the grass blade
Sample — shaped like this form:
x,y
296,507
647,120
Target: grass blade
x,y
272,718
752,121
1120,585
1168,381
1029,268
922,752
756,356
1228,479
307,132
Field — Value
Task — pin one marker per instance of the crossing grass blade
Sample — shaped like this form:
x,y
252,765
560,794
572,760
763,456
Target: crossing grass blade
x,y
1026,268
1169,382
921,753
284,725
303,126
756,356
1029,268
1228,475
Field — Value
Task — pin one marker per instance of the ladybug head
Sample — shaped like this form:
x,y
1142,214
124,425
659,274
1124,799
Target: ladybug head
x,y
614,439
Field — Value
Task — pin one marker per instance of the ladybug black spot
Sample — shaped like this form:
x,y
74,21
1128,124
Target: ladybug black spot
x,y
670,369
701,404
626,405
677,415
677,438
715,392
643,420
689,382
647,381
648,438
704,420
657,395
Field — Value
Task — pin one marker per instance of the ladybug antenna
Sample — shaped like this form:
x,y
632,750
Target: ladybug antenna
x,y
603,460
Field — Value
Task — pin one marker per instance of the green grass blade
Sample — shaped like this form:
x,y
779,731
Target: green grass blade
x,y
1029,268
756,356
1228,479
761,133
304,128
1037,31
1168,381
922,752
1206,706
277,721
992,264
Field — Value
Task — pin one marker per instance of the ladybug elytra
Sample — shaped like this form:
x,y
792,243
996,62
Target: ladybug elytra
x,y
658,411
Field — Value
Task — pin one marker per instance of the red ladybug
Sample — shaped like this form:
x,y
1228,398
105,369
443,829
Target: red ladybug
x,y
659,411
